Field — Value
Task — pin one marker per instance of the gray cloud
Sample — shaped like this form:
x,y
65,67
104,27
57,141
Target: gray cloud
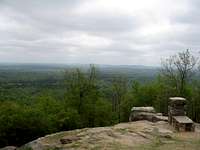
x,y
97,31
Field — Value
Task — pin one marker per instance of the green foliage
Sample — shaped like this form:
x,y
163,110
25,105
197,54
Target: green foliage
x,y
81,99
126,106
103,113
68,119
178,70
20,123
193,104
144,95
119,91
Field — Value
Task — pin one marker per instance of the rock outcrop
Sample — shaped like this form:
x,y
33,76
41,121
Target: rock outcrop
x,y
146,113
133,135
9,148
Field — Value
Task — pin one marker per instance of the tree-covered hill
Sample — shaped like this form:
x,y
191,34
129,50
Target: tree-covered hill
x,y
36,100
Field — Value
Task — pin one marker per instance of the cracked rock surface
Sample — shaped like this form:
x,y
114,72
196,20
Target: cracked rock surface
x,y
137,135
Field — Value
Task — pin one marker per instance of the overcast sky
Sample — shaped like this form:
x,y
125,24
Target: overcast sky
x,y
133,32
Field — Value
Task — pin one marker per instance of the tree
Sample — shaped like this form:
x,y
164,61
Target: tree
x,y
82,93
76,88
178,69
119,91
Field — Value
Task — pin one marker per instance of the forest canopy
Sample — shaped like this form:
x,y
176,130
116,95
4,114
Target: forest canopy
x,y
36,103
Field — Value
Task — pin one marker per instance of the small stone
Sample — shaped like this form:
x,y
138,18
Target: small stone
x,y
69,139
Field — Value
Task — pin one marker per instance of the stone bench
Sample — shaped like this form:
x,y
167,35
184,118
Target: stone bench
x,y
183,123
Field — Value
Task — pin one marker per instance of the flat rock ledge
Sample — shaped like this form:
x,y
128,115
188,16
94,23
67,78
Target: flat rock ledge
x,y
9,148
146,113
124,135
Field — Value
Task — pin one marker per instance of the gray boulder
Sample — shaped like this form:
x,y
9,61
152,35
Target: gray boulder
x,y
143,109
146,113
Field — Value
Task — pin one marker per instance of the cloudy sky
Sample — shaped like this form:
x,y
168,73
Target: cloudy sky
x,y
133,32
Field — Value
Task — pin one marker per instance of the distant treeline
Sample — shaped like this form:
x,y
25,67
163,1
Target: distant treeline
x,y
36,103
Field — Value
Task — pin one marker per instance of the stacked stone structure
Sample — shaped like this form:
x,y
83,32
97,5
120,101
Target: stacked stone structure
x,y
176,107
177,115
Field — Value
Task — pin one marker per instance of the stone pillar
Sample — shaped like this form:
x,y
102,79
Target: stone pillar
x,y
176,107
